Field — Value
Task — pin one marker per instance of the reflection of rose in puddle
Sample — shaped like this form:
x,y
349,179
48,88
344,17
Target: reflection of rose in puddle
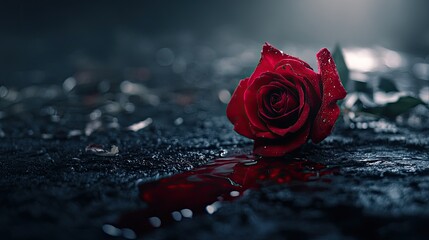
x,y
203,189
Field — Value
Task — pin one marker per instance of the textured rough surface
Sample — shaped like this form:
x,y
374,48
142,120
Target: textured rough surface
x,y
53,189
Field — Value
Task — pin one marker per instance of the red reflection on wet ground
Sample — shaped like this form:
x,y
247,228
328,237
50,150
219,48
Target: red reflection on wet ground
x,y
202,189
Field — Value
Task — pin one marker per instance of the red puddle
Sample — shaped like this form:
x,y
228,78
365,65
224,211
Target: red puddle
x,y
202,189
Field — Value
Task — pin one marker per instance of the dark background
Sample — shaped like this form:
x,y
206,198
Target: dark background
x,y
50,38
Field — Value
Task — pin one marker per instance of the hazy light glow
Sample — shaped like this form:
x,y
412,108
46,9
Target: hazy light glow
x,y
384,98
234,193
186,213
421,70
140,125
361,59
111,230
373,59
155,221
213,207
210,209
392,59
176,215
165,57
224,96
424,94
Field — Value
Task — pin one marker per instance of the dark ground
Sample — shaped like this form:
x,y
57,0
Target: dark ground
x,y
52,189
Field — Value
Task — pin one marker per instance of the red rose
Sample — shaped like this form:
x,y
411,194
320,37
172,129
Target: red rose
x,y
284,102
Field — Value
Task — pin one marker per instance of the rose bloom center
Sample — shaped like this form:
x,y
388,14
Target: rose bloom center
x,y
279,101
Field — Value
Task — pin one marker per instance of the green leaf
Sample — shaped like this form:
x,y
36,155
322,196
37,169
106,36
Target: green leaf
x,y
340,62
393,109
387,85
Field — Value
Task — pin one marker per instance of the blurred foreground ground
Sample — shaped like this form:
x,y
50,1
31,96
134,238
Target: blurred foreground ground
x,y
52,188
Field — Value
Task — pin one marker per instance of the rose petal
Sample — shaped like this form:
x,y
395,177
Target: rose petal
x,y
291,99
251,101
288,100
282,146
291,83
313,98
294,68
286,123
274,55
291,127
333,91
236,113
266,135
280,104
264,104
270,56
281,120
282,82
300,66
